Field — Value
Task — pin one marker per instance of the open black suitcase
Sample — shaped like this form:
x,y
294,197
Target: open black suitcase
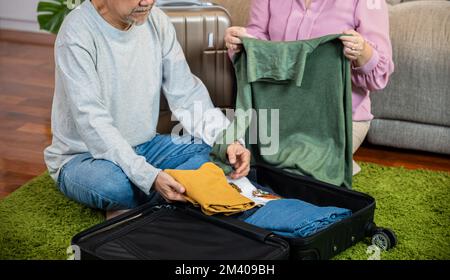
x,y
182,232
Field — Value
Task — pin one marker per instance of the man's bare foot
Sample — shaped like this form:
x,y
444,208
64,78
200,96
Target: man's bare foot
x,y
115,213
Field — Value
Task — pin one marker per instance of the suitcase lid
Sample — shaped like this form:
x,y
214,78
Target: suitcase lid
x,y
177,232
169,3
190,6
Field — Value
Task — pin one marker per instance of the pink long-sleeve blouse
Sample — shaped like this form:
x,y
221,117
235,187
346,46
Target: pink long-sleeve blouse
x,y
290,20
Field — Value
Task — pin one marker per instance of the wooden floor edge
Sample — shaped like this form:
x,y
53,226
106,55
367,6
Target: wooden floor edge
x,y
27,37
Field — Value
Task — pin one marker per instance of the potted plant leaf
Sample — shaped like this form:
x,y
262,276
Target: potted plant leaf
x,y
51,13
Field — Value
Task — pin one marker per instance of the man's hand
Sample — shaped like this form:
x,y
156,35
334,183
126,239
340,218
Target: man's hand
x,y
239,158
169,188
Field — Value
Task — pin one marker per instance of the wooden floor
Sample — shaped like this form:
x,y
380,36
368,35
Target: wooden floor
x,y
26,90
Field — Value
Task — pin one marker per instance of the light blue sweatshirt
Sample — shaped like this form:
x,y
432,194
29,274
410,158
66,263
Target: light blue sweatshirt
x,y
107,92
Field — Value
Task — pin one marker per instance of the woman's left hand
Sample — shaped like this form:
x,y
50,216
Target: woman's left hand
x,y
356,48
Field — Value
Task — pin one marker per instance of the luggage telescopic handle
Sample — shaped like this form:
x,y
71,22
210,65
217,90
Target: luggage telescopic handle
x,y
169,3
210,40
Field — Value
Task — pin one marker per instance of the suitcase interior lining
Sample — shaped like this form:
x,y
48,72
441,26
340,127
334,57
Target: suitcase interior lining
x,y
174,234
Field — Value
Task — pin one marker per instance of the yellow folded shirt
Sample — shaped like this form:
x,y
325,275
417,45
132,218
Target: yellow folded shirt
x,y
208,187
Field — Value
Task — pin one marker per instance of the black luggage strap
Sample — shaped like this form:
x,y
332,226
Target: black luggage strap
x,y
230,223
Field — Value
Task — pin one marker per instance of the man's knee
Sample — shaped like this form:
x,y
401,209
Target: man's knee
x,y
120,191
98,184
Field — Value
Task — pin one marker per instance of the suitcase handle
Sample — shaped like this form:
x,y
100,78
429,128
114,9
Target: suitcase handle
x,y
230,222
174,3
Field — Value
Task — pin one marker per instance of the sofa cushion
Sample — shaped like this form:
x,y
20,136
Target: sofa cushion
x,y
419,89
410,135
393,2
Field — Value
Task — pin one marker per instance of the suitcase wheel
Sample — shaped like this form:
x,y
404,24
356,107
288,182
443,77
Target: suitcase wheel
x,y
384,238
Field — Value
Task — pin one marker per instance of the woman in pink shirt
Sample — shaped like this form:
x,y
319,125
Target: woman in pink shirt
x,y
369,49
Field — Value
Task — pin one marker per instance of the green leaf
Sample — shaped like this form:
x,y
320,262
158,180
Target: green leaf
x,y
51,14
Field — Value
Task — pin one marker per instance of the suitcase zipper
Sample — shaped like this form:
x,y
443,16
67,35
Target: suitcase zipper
x,y
107,228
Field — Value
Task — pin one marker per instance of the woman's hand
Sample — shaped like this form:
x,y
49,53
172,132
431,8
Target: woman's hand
x,y
356,49
233,35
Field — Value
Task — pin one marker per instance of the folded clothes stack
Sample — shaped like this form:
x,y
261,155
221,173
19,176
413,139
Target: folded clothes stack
x,y
296,218
209,188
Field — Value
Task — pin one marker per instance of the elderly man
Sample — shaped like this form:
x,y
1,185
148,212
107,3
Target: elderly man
x,y
113,58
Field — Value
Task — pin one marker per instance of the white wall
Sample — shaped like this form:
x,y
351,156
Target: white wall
x,y
19,15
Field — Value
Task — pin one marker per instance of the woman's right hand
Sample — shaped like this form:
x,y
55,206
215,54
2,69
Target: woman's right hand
x,y
233,35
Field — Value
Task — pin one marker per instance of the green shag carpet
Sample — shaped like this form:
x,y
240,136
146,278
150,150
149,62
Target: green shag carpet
x,y
38,222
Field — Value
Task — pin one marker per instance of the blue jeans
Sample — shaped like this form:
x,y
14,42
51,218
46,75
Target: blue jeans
x,y
102,184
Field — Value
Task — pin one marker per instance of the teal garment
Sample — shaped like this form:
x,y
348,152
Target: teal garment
x,y
309,83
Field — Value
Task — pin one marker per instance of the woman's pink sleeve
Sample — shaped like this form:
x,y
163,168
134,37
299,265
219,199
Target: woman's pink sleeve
x,y
372,22
258,23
